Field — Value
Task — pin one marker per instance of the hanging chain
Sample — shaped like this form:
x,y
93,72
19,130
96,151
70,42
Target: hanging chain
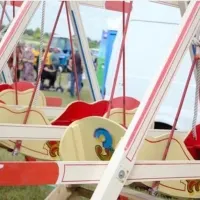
x,y
41,51
196,103
196,43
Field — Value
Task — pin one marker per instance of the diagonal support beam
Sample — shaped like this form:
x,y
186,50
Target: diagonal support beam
x,y
124,158
7,74
15,30
84,50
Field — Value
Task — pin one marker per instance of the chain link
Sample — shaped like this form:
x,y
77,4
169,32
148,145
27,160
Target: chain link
x,y
196,101
41,51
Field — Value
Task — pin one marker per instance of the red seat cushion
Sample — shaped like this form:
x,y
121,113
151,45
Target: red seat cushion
x,y
131,103
54,101
23,86
192,144
5,87
79,110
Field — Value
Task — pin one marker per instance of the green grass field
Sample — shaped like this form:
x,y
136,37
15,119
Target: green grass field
x,y
84,95
21,193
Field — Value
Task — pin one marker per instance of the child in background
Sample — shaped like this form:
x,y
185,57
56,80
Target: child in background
x,y
18,61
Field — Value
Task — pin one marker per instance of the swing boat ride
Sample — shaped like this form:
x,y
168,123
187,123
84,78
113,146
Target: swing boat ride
x,y
108,143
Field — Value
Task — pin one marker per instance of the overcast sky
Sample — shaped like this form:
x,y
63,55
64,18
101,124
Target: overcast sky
x,y
95,20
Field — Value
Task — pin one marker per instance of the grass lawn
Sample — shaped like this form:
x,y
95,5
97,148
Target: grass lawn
x,y
21,193
37,192
66,98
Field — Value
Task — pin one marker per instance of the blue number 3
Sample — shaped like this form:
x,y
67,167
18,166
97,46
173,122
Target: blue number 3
x,y
104,136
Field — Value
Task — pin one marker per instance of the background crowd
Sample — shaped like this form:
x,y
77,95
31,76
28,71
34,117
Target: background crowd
x,y
24,65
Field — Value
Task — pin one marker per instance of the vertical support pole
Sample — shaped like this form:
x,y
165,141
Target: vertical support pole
x,y
74,67
7,75
124,67
84,50
15,64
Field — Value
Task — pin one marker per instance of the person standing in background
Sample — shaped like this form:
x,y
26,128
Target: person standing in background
x,y
69,71
36,54
79,71
28,69
56,58
18,60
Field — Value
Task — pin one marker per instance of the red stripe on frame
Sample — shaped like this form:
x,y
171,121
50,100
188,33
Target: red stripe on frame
x,y
15,28
28,173
118,6
16,3
160,79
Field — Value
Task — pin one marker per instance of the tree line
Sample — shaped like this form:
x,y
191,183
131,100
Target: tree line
x,y
35,35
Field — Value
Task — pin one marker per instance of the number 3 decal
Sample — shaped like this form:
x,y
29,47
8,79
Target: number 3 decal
x,y
104,136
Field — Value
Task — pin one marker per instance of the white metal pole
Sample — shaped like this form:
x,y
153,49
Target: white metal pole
x,y
183,7
6,71
85,51
124,157
7,75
